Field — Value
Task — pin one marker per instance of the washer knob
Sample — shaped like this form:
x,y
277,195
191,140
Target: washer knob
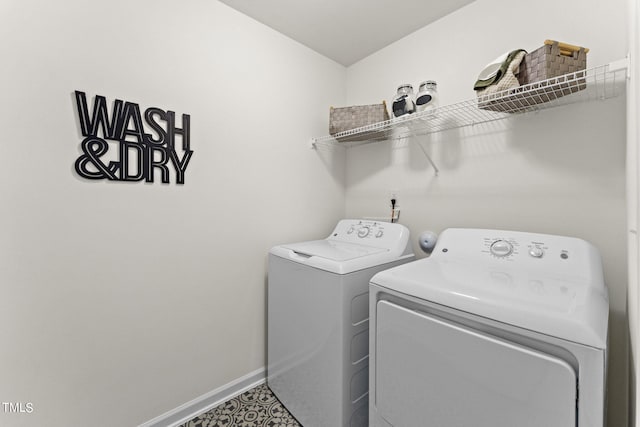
x,y
363,231
379,233
501,248
536,252
350,230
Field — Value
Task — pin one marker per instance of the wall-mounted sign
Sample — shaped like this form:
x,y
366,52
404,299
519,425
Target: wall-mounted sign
x,y
127,145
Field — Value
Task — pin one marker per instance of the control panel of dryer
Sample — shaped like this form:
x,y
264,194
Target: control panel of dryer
x,y
520,270
502,247
370,233
553,253
510,247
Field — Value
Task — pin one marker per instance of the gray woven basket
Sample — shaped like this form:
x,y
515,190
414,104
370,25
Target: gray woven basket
x,y
546,62
347,118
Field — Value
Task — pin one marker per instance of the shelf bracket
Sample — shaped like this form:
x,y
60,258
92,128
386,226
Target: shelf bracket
x,y
435,168
621,64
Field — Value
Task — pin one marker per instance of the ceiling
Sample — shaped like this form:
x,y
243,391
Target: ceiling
x,y
346,30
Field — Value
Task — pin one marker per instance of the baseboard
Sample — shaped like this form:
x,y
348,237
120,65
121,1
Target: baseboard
x,y
207,401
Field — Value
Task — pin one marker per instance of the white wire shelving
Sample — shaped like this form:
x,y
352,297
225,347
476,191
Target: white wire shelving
x,y
598,83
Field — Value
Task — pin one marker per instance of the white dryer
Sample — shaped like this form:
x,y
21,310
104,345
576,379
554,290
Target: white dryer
x,y
318,320
495,329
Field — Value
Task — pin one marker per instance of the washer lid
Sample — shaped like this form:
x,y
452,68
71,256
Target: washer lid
x,y
333,250
336,257
352,246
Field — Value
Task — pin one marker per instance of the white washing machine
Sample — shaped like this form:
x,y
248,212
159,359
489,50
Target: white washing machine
x,y
318,320
495,329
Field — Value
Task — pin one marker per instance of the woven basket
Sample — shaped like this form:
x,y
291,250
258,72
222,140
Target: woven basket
x,y
552,60
347,118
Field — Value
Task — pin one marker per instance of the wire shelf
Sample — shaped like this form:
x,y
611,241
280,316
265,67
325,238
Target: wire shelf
x,y
598,83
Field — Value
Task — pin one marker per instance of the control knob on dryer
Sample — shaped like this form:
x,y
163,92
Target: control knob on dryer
x,y
501,248
536,252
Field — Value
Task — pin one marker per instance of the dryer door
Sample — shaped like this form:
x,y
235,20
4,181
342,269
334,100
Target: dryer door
x,y
431,372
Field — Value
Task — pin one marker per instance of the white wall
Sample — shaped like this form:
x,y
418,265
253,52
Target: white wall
x,y
560,171
633,216
121,301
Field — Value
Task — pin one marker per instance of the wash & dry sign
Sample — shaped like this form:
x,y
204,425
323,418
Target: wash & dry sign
x,y
127,145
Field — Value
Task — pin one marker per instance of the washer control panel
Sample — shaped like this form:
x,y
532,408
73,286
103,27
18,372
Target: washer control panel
x,y
370,233
364,229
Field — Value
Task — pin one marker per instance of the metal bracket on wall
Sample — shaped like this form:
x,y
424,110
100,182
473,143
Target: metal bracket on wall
x,y
435,168
314,143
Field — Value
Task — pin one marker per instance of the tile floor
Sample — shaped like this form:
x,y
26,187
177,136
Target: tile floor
x,y
257,407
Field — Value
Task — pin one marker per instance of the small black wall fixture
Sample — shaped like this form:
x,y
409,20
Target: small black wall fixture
x,y
133,154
